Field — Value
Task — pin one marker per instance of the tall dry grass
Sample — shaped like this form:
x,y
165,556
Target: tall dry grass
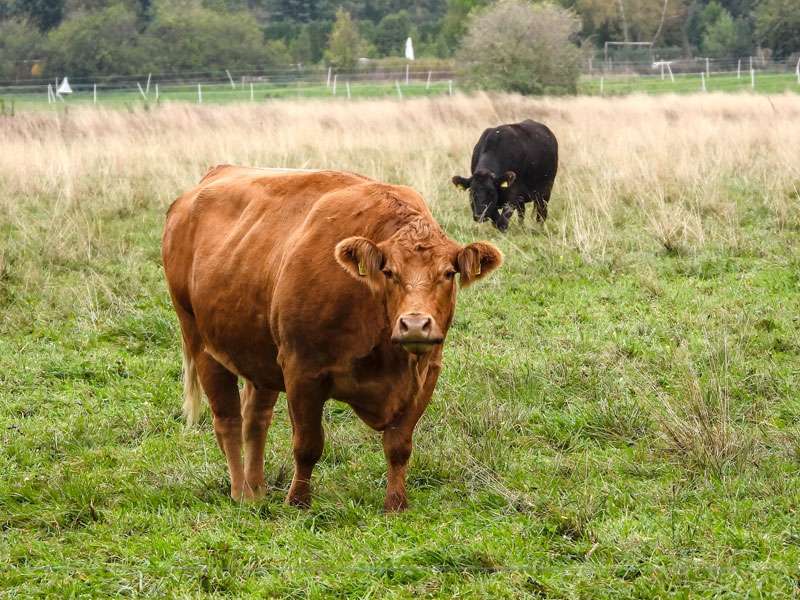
x,y
671,169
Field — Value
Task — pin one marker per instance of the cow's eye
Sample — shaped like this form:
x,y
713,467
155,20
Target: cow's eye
x,y
449,274
388,273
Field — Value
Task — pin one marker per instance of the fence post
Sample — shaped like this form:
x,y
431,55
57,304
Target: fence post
x,y
752,79
708,69
739,69
199,94
94,94
407,67
334,84
328,83
797,70
703,81
602,85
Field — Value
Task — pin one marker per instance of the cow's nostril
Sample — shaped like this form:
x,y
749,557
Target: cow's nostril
x,y
403,326
426,326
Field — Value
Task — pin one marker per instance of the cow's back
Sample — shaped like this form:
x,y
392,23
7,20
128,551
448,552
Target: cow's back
x,y
223,249
529,148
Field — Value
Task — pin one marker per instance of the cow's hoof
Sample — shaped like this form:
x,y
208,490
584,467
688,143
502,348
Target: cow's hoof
x,y
395,504
254,494
298,499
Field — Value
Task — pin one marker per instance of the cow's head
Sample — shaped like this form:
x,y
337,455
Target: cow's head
x,y
487,196
417,282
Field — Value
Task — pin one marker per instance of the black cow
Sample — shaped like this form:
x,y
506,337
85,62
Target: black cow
x,y
511,165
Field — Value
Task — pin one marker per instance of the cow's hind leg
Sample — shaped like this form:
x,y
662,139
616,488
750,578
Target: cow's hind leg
x,y
305,399
220,385
257,406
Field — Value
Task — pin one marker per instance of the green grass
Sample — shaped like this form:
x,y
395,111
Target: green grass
x,y
544,467
766,83
219,94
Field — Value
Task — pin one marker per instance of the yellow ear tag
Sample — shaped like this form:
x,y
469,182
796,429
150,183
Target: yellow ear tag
x,y
362,270
504,184
478,272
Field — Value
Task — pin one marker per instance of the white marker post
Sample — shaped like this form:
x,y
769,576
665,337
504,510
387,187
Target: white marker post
x,y
156,92
141,91
252,97
602,85
334,84
407,68
703,81
94,94
752,79
450,86
147,85
328,83
347,83
739,69
428,83
797,70
228,73
399,91
199,94
708,69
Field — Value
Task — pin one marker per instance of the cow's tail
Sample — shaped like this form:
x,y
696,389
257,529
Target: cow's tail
x,y
192,392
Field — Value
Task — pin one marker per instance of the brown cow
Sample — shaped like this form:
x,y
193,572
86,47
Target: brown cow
x,y
322,285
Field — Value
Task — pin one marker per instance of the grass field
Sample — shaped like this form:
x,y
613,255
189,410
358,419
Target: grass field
x,y
618,414
765,83
20,100
217,93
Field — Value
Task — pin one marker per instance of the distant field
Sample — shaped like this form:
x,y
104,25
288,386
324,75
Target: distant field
x,y
219,93
765,83
618,415
223,93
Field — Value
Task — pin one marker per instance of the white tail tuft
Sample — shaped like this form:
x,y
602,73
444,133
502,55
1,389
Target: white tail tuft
x,y
192,393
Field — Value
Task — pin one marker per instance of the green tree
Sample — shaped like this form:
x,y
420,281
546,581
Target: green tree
x,y
300,47
778,26
727,37
521,47
199,39
391,33
20,44
345,43
104,42
46,14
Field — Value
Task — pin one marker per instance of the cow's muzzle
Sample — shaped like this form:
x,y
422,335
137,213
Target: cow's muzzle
x,y
418,333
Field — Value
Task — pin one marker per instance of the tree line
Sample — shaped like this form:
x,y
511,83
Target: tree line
x,y
85,38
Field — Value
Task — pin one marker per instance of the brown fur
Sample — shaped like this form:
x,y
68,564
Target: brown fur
x,y
296,283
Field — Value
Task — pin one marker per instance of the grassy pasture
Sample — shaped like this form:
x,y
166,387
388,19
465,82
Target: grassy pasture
x,y
618,414
216,93
765,83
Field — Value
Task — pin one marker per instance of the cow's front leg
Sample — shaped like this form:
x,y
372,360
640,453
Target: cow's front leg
x,y
397,439
521,212
397,449
305,400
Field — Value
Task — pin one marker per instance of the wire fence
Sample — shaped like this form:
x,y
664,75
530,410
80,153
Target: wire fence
x,y
601,75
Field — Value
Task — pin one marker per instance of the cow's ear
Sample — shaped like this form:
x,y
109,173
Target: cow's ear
x,y
507,179
477,260
461,182
362,259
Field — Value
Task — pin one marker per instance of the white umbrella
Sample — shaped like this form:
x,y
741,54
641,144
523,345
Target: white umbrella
x,y
409,49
